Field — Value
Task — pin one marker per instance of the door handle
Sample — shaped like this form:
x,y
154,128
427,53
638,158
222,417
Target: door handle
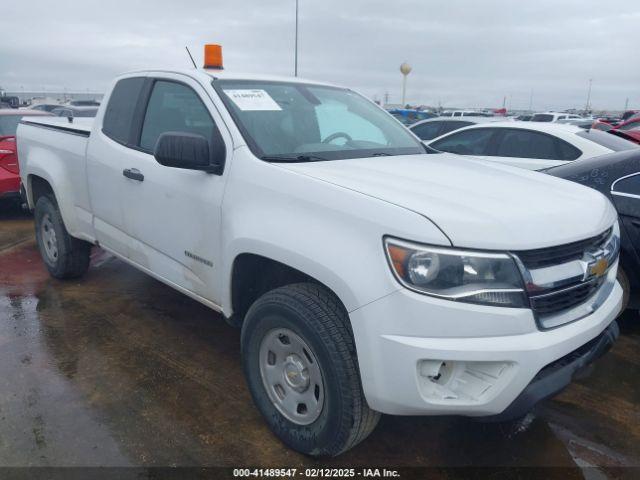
x,y
133,174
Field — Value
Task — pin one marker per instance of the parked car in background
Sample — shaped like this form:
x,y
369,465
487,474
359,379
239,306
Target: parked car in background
x,y
632,135
617,176
529,145
74,112
524,118
10,100
84,103
553,116
585,123
9,171
464,113
613,121
438,126
631,124
629,130
45,107
408,117
629,114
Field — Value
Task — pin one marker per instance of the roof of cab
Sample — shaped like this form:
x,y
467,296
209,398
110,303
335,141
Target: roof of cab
x,y
207,74
547,127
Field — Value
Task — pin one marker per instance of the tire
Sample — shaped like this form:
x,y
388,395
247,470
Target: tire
x,y
626,288
64,256
339,417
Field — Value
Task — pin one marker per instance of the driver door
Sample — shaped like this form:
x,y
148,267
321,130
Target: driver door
x,y
173,215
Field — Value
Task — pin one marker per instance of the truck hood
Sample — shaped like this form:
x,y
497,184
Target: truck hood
x,y
477,204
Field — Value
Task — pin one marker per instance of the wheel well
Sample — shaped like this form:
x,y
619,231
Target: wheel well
x,y
39,187
254,275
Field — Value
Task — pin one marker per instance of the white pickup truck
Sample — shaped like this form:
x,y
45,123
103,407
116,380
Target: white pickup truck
x,y
368,277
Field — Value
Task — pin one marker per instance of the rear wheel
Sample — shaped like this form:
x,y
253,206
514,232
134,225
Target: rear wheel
x,y
300,363
63,255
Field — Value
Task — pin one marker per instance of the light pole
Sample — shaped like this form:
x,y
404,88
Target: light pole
x,y
295,67
405,69
589,96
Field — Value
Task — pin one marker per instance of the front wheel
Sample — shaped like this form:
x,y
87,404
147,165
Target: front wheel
x,y
300,363
623,279
63,255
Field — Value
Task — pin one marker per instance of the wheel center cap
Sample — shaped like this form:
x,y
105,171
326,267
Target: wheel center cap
x,y
295,373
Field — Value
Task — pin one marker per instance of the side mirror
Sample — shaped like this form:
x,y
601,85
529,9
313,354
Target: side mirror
x,y
186,150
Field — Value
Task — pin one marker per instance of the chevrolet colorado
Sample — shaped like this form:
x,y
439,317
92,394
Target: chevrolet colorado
x,y
367,276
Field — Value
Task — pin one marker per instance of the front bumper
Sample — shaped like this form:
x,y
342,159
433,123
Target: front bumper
x,y
419,355
553,378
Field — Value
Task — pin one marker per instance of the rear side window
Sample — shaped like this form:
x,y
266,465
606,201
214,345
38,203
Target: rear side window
x,y
607,140
566,151
468,142
427,130
174,107
118,117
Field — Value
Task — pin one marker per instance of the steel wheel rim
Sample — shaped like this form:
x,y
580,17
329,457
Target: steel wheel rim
x,y
49,239
291,376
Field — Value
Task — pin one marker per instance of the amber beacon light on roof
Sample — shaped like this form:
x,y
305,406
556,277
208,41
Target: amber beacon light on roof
x,y
213,57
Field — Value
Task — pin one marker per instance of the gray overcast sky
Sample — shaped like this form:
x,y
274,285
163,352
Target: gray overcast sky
x,y
463,52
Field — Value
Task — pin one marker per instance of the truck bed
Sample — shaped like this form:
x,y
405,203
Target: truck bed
x,y
54,149
79,126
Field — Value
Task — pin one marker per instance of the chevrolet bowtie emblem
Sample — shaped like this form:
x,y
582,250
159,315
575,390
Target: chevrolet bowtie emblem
x,y
599,268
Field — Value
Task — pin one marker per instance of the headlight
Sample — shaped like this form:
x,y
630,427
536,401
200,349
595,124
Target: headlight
x,y
460,275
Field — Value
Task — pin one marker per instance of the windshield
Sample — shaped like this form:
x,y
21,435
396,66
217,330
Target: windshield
x,y
9,124
302,122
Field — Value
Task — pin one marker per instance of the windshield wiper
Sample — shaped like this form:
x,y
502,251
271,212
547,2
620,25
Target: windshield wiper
x,y
381,154
298,159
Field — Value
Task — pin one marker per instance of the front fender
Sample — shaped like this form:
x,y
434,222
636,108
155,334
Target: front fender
x,y
328,232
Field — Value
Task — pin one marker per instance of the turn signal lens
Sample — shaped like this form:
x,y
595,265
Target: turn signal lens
x,y
398,255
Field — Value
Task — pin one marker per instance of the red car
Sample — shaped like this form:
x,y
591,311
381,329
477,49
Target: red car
x,y
629,129
9,173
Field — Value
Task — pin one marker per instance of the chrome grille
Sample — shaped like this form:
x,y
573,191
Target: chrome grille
x,y
561,282
546,257
562,299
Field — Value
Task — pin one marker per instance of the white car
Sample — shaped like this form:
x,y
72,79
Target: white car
x,y
438,126
534,146
554,117
366,276
464,113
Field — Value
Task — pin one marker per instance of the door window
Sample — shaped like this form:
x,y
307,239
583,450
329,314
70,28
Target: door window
x,y
526,144
629,185
427,130
468,142
452,125
118,118
174,107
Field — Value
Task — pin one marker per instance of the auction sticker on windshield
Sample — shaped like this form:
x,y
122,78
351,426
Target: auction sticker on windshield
x,y
252,100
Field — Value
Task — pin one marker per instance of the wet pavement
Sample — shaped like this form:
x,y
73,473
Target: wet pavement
x,y
118,369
